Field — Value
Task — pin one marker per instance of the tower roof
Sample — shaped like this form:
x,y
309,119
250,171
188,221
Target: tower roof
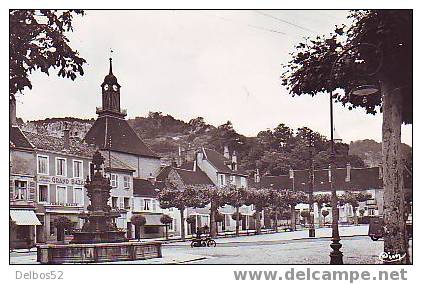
x,y
116,134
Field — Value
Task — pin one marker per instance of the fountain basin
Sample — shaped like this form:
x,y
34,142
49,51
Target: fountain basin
x,y
97,252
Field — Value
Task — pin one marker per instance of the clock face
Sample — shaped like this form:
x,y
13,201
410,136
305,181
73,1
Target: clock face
x,y
106,87
115,87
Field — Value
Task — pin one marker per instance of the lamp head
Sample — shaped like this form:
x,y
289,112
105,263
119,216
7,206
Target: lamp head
x,y
365,90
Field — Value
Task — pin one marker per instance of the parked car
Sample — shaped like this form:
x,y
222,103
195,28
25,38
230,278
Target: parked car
x,y
376,227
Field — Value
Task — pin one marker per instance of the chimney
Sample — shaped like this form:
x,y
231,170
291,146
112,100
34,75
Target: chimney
x,y
348,169
12,108
234,161
151,179
194,165
66,138
257,177
226,152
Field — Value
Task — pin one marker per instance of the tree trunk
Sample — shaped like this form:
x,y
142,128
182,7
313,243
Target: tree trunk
x,y
237,221
293,220
167,232
319,215
355,216
182,223
395,237
213,231
137,232
258,222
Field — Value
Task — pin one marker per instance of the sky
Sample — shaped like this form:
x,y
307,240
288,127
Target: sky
x,y
220,65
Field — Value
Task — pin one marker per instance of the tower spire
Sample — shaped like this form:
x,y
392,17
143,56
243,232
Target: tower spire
x,y
111,66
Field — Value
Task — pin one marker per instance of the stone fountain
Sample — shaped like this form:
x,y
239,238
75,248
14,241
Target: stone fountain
x,y
99,240
99,225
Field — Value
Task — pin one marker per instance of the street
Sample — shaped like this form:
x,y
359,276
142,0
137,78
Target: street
x,y
277,248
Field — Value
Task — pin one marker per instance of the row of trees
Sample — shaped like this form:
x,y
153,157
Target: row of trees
x,y
279,203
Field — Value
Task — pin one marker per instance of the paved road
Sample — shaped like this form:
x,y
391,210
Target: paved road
x,y
357,250
280,248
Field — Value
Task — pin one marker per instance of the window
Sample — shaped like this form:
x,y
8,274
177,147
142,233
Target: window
x,y
42,165
171,225
77,169
78,195
21,190
147,204
126,182
221,180
114,180
42,193
61,166
126,202
114,202
154,205
61,195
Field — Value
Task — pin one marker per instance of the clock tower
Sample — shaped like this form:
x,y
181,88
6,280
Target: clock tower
x,y
111,96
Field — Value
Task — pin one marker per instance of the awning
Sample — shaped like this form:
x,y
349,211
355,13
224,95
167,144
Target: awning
x,y
24,218
153,220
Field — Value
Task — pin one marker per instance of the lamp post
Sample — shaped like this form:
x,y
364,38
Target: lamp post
x,y
336,256
311,186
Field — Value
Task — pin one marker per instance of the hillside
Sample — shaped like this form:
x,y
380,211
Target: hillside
x,y
272,151
370,151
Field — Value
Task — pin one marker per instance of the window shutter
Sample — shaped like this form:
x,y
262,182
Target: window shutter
x,y
11,188
32,192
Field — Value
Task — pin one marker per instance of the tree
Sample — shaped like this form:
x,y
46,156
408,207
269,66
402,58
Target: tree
x,y
325,214
259,197
216,197
377,47
218,218
191,220
38,41
305,215
294,198
62,223
166,220
321,199
236,197
278,201
181,197
138,221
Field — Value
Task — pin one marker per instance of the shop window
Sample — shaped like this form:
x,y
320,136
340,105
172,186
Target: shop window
x,y
22,232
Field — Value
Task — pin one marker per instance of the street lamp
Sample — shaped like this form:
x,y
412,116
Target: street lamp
x,y
311,185
336,256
